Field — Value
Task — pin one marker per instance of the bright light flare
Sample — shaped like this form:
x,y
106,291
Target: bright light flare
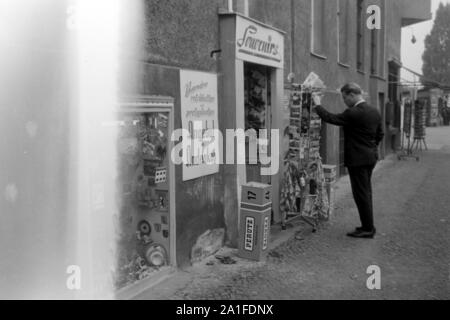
x,y
96,28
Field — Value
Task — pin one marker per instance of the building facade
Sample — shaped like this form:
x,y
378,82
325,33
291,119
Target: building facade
x,y
330,38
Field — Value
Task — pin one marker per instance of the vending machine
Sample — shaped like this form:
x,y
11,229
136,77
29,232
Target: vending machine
x,y
144,189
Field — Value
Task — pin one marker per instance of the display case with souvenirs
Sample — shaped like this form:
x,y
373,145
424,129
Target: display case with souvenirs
x,y
143,224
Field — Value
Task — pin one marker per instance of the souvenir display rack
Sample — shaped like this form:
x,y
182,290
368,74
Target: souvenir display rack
x,y
420,116
303,193
407,129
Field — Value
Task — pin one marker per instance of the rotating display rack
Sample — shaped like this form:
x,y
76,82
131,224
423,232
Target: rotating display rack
x,y
407,133
303,193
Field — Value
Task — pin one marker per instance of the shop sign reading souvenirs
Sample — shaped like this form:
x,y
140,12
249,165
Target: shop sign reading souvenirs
x,y
199,108
259,44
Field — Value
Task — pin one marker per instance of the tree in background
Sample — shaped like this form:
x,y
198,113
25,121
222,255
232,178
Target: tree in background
x,y
436,58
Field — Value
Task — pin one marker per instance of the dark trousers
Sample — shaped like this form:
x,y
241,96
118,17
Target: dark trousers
x,y
361,180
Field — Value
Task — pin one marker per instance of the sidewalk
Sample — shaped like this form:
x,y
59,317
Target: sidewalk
x,y
411,248
211,270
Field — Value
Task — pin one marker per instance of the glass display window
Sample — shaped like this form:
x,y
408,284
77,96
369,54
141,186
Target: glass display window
x,y
143,187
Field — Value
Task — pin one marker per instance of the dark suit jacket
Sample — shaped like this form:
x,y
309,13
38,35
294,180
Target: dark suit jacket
x,y
363,133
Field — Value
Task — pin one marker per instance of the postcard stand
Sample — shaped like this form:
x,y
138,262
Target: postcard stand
x,y
304,193
420,116
407,126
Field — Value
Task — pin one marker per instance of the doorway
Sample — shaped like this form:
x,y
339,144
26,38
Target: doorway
x,y
258,115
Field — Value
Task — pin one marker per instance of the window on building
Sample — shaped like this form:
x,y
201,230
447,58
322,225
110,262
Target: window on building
x,y
377,47
360,27
343,28
317,27
381,41
374,51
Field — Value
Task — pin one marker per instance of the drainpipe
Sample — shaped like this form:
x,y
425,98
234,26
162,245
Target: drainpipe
x,y
292,67
230,5
242,7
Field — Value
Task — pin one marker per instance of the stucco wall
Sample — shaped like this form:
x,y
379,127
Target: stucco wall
x,y
182,33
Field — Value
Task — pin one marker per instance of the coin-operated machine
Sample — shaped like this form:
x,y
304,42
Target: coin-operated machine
x,y
145,188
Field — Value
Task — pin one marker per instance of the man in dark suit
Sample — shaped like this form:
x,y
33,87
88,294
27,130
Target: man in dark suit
x,y
363,133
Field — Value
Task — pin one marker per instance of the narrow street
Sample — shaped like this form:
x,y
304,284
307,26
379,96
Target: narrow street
x,y
412,206
151,149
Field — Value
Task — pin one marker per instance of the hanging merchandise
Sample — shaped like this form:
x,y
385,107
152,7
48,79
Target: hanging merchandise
x,y
304,193
420,116
295,128
407,121
255,100
160,175
407,150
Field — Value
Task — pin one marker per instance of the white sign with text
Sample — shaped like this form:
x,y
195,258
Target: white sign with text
x,y
199,113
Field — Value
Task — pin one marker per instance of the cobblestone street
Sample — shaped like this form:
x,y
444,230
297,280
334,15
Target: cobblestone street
x,y
412,206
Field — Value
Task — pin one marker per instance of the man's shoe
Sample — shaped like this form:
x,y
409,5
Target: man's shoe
x,y
362,229
361,234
